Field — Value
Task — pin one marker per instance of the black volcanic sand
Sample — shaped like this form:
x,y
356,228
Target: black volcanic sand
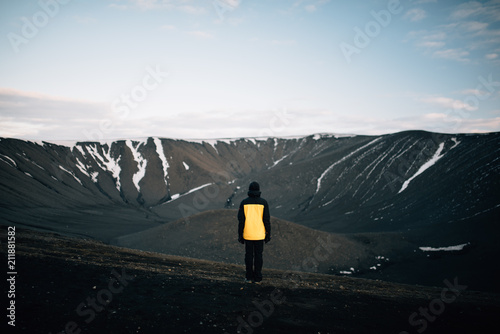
x,y
167,294
390,256
212,235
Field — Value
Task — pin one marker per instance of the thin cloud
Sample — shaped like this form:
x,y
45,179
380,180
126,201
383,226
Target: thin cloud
x,y
288,42
40,116
447,103
431,44
415,14
36,116
489,10
168,27
309,6
453,54
200,34
426,38
481,125
84,19
194,10
466,10
468,31
476,92
474,26
28,104
233,3
119,7
146,5
152,4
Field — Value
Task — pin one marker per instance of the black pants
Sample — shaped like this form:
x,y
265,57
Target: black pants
x,y
253,259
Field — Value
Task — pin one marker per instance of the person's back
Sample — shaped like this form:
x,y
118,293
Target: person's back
x,y
254,229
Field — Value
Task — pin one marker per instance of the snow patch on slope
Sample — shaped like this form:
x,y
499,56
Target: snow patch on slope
x,y
211,142
163,158
425,166
279,160
177,196
70,173
318,136
94,176
9,160
318,186
82,167
141,163
112,166
444,249
105,161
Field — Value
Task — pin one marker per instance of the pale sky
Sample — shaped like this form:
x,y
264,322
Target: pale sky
x,y
112,69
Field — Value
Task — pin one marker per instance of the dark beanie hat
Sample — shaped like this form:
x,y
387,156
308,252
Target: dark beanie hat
x,y
254,186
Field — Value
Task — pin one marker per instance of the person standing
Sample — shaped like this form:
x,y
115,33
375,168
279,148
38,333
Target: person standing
x,y
254,229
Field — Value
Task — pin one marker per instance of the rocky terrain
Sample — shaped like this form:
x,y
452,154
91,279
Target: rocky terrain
x,y
390,256
84,286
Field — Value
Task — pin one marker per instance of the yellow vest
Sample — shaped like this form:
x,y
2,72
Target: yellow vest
x,y
254,226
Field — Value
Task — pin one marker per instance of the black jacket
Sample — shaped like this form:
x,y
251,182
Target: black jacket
x,y
254,199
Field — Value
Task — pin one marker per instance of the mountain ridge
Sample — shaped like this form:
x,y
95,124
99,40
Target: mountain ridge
x,y
308,180
438,190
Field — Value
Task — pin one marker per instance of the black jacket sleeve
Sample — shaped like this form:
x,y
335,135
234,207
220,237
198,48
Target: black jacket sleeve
x,y
241,220
266,218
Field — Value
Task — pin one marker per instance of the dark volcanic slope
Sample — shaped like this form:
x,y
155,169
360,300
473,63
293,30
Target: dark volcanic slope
x,y
88,286
347,184
212,235
390,256
416,188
